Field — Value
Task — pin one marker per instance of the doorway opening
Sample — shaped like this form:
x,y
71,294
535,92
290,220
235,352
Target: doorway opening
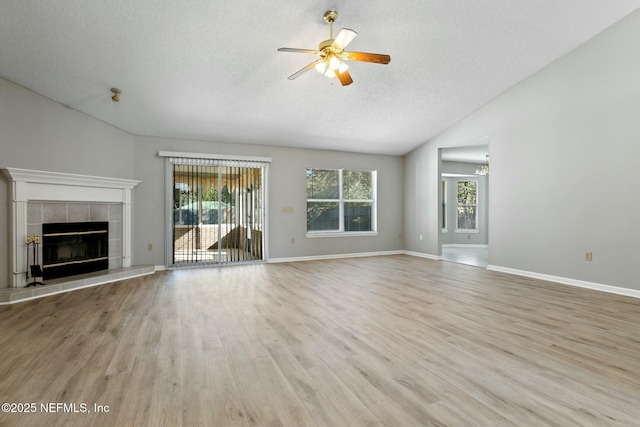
x,y
464,202
217,211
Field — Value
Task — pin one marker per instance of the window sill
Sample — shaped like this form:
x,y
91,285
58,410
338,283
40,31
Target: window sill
x,y
315,235
462,231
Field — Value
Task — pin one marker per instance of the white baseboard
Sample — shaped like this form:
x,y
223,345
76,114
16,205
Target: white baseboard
x,y
422,255
160,267
567,281
561,280
463,245
334,256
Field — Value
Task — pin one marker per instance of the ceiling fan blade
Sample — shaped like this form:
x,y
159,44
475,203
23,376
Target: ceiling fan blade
x,y
344,77
303,70
368,57
292,49
343,38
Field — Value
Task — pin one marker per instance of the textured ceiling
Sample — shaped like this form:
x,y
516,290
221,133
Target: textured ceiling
x,y
210,70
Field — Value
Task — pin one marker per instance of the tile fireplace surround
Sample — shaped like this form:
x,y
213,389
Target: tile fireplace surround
x,y
39,196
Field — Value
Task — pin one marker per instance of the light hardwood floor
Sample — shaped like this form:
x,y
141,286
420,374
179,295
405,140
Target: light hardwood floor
x,y
477,255
395,341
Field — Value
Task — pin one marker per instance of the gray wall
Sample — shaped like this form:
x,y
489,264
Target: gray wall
x,y
38,133
422,201
565,146
287,188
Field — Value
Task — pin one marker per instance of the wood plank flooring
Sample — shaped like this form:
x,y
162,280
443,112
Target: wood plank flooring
x,y
477,255
394,341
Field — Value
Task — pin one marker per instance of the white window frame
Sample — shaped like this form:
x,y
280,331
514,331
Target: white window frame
x,y
341,201
444,187
468,230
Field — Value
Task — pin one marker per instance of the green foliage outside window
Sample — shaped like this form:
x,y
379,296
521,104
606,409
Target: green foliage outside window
x,y
467,205
325,201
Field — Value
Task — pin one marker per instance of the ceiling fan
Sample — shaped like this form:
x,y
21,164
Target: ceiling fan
x,y
332,54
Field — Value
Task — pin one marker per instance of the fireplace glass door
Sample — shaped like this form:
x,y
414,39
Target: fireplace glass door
x,y
74,248
217,212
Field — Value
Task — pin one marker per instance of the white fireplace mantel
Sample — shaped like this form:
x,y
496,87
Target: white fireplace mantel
x,y
30,185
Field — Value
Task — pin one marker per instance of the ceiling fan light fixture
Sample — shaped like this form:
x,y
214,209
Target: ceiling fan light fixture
x,y
321,67
334,63
343,67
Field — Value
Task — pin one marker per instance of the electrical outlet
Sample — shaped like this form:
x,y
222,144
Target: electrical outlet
x,y
149,247
588,256
421,237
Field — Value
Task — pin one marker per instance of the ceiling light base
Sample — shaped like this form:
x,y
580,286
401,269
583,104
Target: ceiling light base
x,y
330,16
116,94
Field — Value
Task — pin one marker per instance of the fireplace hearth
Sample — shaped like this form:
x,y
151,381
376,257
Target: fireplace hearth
x,y
69,249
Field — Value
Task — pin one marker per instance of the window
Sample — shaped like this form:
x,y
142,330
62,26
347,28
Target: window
x,y
444,206
467,205
341,201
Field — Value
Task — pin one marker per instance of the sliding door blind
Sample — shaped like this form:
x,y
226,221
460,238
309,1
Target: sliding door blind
x,y
218,211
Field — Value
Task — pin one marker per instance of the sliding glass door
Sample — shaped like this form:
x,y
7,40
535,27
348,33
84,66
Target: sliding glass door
x,y
218,211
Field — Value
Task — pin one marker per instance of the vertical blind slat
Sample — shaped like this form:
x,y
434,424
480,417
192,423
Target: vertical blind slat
x,y
217,210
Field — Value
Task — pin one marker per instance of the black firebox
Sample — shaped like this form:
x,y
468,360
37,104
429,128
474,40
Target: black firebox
x,y
74,248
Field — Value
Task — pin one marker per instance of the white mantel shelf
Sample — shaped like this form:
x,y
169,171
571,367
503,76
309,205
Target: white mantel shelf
x,y
59,178
32,185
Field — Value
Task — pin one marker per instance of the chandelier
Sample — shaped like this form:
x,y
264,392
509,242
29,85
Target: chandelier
x,y
483,169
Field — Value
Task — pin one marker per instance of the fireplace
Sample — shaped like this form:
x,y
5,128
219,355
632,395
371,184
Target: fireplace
x,y
74,248
41,197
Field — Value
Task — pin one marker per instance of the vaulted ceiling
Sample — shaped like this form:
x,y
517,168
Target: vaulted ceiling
x,y
210,70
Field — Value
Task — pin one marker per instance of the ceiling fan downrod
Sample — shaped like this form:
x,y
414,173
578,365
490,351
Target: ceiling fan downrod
x,y
330,16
